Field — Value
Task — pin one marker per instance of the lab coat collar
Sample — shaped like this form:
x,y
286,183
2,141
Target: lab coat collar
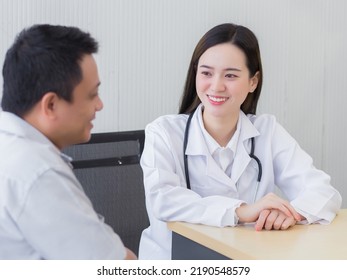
x,y
197,147
196,143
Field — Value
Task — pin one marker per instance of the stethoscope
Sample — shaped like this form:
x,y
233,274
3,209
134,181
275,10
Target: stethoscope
x,y
251,154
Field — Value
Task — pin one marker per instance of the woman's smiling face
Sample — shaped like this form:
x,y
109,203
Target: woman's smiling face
x,y
223,80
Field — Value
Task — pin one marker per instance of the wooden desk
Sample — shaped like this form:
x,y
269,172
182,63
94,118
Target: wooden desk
x,y
320,242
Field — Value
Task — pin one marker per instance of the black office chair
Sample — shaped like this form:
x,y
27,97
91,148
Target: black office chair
x,y
109,171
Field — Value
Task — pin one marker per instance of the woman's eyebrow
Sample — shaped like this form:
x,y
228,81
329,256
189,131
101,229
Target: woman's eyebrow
x,y
226,69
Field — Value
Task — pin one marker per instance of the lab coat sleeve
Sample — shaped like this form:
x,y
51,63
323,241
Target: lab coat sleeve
x,y
308,188
167,197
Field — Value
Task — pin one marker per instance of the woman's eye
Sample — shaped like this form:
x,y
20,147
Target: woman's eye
x,y
205,73
230,76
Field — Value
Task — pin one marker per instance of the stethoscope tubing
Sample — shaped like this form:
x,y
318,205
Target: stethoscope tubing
x,y
185,143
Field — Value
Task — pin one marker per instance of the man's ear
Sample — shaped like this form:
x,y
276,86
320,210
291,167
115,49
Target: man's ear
x,y
49,104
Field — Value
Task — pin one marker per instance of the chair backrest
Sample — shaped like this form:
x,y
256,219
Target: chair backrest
x,y
109,171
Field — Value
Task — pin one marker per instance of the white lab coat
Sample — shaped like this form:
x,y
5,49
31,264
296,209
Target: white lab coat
x,y
214,196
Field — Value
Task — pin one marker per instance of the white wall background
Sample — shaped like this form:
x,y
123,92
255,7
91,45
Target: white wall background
x,y
146,45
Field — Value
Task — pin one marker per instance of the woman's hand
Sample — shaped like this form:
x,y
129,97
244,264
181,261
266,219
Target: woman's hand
x,y
274,219
248,213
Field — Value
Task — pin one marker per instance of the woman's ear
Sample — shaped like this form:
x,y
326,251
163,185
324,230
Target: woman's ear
x,y
254,81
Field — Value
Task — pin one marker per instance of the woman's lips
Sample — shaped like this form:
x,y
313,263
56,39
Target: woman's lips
x,y
217,100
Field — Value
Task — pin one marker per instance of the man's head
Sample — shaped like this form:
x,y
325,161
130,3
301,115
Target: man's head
x,y
51,81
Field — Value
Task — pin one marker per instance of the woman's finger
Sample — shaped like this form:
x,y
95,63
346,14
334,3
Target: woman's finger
x,y
277,225
261,220
287,223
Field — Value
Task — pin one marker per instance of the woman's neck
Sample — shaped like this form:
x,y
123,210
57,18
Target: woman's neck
x,y
221,129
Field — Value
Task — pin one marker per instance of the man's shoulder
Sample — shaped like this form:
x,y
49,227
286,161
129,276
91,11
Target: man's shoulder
x,y
23,157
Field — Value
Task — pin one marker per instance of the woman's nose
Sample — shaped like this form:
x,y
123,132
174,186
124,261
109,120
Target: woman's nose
x,y
217,85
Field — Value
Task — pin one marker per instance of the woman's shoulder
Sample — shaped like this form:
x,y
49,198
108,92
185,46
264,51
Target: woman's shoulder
x,y
263,120
269,126
169,122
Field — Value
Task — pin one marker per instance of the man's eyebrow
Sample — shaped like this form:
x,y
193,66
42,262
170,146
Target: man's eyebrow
x,y
97,85
95,88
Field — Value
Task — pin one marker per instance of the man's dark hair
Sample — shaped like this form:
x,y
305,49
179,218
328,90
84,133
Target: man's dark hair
x,y
43,58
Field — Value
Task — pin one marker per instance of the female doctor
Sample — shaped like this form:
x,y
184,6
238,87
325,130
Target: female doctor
x,y
217,163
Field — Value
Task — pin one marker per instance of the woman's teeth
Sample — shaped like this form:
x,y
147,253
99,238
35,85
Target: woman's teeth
x,y
217,99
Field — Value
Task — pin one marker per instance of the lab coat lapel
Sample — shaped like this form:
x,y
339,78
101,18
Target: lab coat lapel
x,y
196,146
215,172
242,158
